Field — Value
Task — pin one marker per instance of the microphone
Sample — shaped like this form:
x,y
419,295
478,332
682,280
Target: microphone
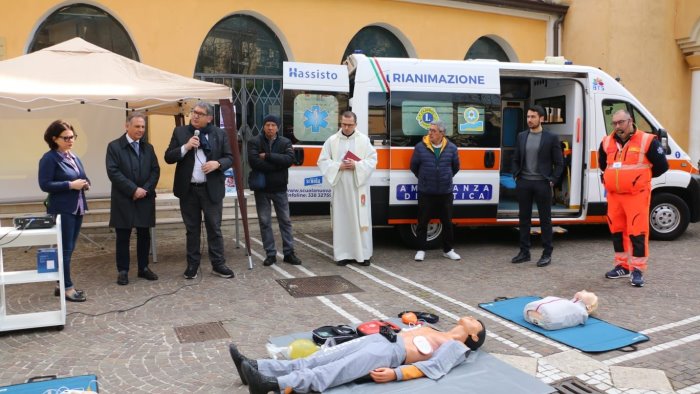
x,y
196,134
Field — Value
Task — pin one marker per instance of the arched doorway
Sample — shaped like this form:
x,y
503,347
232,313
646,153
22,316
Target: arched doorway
x,y
487,48
87,22
375,41
242,52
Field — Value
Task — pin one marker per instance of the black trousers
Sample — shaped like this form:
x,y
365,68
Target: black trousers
x,y
540,192
192,206
430,206
143,246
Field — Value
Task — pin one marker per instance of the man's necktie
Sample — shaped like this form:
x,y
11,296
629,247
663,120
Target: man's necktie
x,y
135,145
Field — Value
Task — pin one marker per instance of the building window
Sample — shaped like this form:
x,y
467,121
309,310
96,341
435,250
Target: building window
x,y
241,44
486,48
375,41
87,22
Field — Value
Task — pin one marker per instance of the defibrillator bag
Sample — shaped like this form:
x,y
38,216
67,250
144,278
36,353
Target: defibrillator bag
x,y
339,334
373,326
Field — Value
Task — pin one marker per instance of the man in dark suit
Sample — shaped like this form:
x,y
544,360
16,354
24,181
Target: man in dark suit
x,y
537,166
132,167
202,153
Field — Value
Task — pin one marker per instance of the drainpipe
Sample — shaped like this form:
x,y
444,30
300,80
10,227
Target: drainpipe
x,y
555,33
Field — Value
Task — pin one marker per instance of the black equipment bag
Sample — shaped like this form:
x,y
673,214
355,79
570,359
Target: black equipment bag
x,y
340,334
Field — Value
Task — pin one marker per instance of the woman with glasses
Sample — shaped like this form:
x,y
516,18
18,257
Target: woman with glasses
x,y
62,175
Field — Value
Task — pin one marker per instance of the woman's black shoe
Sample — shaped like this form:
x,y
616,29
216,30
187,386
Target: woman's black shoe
x,y
76,297
57,292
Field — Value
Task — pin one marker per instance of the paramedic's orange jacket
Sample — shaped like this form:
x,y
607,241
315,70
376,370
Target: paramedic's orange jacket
x,y
641,158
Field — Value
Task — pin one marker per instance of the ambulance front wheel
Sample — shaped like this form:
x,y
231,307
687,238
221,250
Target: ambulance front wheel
x,y
669,216
408,235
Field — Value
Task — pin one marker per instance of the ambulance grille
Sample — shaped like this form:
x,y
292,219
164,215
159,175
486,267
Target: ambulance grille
x,y
315,286
574,386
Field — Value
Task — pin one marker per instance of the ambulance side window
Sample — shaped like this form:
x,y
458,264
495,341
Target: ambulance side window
x,y
471,120
378,122
310,117
612,106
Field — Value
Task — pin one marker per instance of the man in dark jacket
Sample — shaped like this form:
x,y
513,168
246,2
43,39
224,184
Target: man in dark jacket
x,y
202,153
132,167
272,155
537,166
435,162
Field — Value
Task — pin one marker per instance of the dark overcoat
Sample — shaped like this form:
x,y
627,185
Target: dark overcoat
x,y
127,171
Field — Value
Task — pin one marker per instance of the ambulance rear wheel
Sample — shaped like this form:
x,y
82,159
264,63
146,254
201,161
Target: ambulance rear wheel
x,y
668,217
408,235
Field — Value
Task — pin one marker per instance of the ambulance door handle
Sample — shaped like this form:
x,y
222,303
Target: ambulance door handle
x,y
489,159
298,156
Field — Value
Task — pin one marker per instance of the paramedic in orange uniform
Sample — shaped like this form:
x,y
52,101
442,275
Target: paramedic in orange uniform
x,y
628,159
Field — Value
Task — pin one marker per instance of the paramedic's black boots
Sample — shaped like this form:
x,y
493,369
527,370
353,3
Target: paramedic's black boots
x,y
521,257
238,359
257,382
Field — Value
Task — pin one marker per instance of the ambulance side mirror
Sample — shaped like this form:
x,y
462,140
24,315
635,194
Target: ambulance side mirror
x,y
663,138
298,156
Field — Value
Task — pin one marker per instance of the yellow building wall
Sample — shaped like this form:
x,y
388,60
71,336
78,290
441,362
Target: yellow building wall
x,y
168,34
636,40
687,16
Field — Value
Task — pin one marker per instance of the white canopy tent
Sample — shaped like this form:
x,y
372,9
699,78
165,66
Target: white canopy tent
x,y
77,72
91,88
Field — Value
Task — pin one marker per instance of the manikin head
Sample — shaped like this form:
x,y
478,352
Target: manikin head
x,y
589,299
475,330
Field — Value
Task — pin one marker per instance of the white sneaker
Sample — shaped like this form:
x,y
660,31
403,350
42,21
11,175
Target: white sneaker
x,y
451,255
420,256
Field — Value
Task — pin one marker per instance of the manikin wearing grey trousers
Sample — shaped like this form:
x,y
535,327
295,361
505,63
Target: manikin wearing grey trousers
x,y
416,353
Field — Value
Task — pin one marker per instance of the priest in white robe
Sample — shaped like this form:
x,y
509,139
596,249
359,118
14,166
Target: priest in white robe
x,y
347,161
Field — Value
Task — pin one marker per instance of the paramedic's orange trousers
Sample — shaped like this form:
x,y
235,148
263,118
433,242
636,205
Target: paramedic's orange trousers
x,y
628,219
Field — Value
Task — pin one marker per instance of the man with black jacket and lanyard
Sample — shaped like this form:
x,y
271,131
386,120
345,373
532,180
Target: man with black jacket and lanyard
x,y
628,159
272,155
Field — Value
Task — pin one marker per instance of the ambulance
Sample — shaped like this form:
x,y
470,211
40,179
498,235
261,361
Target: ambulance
x,y
483,104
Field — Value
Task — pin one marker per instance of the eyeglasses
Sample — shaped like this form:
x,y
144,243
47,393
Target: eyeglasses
x,y
619,122
198,114
347,124
68,138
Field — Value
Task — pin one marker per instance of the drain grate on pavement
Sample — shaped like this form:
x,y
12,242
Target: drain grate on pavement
x,y
201,332
574,386
318,286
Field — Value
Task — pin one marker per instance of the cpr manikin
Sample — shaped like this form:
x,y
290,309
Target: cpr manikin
x,y
554,313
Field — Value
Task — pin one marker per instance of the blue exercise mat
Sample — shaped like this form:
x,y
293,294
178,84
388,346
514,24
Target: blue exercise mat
x,y
52,384
593,337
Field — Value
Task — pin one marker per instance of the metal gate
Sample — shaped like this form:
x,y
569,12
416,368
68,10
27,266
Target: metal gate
x,y
254,96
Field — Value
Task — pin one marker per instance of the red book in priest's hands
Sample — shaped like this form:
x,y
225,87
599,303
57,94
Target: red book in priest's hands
x,y
351,156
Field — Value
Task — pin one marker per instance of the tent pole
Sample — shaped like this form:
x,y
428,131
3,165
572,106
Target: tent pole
x,y
231,130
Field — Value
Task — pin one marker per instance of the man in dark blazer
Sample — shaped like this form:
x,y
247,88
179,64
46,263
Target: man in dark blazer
x,y
202,153
537,166
132,167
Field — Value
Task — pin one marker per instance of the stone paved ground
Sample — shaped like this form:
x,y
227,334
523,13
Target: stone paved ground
x,y
125,334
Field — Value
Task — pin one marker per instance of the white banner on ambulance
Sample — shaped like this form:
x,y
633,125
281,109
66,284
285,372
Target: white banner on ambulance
x,y
466,76
313,76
